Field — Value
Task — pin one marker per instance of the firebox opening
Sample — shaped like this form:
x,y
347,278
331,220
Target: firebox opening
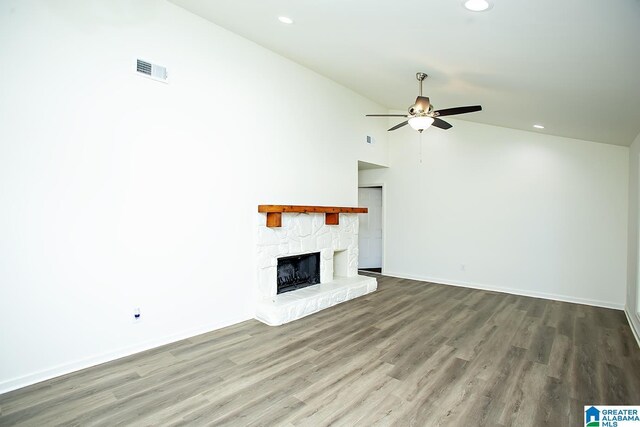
x,y
299,271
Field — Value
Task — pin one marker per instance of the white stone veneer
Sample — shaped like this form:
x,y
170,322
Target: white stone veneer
x,y
303,233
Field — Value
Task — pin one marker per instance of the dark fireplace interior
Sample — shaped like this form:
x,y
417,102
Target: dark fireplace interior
x,y
296,272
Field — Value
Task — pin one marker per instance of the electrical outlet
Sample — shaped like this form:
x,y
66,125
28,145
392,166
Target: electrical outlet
x,y
137,315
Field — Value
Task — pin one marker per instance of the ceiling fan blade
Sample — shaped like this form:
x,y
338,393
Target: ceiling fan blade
x,y
386,115
457,110
398,126
439,123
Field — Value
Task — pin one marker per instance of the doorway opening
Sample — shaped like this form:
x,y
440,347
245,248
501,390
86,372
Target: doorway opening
x,y
370,234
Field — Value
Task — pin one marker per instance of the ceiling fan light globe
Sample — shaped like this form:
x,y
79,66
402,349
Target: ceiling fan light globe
x,y
420,123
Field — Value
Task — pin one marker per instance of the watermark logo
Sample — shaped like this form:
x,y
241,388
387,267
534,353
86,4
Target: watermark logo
x,y
592,417
611,416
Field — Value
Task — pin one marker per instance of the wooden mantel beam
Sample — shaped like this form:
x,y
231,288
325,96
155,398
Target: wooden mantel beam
x,y
309,209
274,212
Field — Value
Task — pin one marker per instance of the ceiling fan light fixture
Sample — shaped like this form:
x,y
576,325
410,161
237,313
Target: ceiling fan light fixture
x,y
420,123
477,5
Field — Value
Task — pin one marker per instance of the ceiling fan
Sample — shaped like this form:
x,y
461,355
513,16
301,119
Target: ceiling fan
x,y
422,115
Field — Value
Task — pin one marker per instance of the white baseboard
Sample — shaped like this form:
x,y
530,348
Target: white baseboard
x,y
522,292
67,368
634,323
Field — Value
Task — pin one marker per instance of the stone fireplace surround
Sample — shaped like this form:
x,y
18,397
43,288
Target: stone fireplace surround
x,y
302,233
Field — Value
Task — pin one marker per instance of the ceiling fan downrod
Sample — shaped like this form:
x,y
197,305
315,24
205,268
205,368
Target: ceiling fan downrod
x,y
420,77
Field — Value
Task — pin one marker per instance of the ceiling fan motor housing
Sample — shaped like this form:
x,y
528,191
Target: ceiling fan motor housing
x,y
422,106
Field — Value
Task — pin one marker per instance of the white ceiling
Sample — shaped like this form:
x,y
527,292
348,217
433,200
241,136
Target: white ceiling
x,y
573,66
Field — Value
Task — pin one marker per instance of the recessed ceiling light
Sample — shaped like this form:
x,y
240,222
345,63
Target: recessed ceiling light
x,y
285,20
538,126
477,5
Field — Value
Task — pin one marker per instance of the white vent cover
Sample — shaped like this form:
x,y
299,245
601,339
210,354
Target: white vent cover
x,y
153,71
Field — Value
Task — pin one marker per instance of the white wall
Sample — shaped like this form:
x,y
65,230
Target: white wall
x,y
632,307
521,211
117,191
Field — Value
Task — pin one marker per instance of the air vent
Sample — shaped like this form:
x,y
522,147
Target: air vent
x,y
153,71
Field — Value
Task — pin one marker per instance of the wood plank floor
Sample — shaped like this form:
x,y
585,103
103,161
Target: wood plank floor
x,y
410,354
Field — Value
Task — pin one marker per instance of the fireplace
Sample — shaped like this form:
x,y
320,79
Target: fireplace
x,y
303,250
296,272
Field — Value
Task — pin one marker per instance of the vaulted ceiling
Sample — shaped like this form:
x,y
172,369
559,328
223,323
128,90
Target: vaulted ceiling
x,y
572,66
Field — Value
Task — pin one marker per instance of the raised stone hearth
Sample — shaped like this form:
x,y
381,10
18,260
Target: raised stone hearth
x,y
303,233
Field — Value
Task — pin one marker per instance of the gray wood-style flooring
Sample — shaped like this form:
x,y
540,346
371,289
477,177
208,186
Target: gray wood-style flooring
x,y
410,354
